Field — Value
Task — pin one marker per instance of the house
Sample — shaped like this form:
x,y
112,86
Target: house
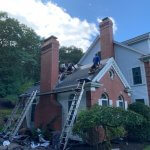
x,y
133,58
108,85
125,67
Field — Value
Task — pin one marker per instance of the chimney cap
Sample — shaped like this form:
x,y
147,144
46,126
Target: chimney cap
x,y
51,37
106,18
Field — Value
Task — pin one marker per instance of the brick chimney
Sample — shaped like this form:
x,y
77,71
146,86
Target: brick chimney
x,y
48,110
106,38
49,64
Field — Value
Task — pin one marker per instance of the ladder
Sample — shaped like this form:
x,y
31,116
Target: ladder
x,y
13,129
71,115
11,118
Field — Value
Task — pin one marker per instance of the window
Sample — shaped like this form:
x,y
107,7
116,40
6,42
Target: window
x,y
121,102
140,100
104,101
111,74
137,79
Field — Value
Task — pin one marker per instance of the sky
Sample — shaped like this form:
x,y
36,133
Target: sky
x,y
75,22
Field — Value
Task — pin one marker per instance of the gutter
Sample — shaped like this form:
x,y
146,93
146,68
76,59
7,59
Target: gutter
x,y
145,58
88,86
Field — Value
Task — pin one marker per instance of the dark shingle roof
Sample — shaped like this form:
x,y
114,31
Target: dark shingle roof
x,y
78,74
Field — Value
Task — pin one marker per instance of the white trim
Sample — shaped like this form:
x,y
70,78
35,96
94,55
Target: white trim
x,y
119,73
126,105
117,103
110,103
100,102
111,63
138,38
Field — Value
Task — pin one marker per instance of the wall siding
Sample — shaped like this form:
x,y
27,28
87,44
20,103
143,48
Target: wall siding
x,y
126,60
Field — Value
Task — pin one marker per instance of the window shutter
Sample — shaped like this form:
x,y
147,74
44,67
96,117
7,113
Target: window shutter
x,y
117,103
100,102
130,76
143,74
110,103
126,105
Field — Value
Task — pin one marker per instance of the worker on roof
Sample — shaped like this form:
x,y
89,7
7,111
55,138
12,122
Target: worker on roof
x,y
96,61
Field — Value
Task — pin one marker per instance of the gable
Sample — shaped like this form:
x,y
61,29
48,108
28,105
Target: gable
x,y
111,64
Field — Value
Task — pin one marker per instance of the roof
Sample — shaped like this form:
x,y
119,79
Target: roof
x,y
81,72
137,39
129,47
31,89
124,44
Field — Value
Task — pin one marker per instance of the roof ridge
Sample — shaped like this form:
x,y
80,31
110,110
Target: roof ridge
x,y
137,38
129,47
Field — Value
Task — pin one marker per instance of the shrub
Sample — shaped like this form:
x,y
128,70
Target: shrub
x,y
141,109
139,132
100,124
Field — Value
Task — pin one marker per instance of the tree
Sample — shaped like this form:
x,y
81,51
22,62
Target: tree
x,y
105,122
139,132
19,55
70,54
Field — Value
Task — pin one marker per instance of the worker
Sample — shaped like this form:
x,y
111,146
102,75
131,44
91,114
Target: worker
x,y
96,61
62,68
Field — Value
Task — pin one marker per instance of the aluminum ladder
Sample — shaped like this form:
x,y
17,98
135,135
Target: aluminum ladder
x,y
71,115
11,118
14,129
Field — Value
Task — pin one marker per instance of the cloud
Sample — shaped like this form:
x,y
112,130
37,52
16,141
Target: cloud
x,y
50,19
113,21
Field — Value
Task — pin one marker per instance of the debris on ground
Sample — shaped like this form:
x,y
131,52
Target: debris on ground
x,y
25,141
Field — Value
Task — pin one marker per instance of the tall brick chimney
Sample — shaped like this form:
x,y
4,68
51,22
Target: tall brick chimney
x,y
106,38
48,110
49,64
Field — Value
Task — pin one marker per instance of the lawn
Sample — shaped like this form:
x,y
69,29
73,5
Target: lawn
x,y
147,148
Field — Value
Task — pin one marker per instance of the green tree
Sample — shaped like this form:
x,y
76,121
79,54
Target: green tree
x,y
70,54
110,121
19,55
140,132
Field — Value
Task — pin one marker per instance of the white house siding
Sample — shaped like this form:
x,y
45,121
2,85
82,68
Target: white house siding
x,y
126,60
142,46
63,99
88,58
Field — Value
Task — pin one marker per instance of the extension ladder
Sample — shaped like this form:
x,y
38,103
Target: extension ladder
x,y
71,115
12,129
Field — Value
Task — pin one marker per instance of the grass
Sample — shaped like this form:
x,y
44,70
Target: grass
x,y
4,113
147,148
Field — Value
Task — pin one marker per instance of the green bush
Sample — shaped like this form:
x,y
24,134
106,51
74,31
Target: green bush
x,y
141,109
139,132
100,124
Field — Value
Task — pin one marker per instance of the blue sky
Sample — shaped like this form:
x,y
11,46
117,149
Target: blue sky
x,y
131,16
74,22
